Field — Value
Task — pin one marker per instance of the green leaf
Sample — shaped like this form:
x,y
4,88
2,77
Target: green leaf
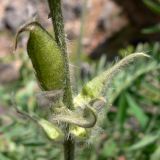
x,y
156,154
152,29
122,110
33,143
149,92
46,57
51,130
126,78
145,141
3,157
155,7
98,86
136,110
109,149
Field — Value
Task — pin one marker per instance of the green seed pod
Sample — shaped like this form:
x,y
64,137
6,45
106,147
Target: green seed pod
x,y
45,55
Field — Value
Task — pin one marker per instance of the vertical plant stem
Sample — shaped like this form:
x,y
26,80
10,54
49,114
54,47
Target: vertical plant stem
x,y
69,148
58,25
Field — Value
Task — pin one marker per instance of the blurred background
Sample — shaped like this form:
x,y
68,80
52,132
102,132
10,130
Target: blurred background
x,y
98,32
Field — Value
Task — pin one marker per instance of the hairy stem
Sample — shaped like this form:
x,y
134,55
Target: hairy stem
x,y
69,148
58,25
57,19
